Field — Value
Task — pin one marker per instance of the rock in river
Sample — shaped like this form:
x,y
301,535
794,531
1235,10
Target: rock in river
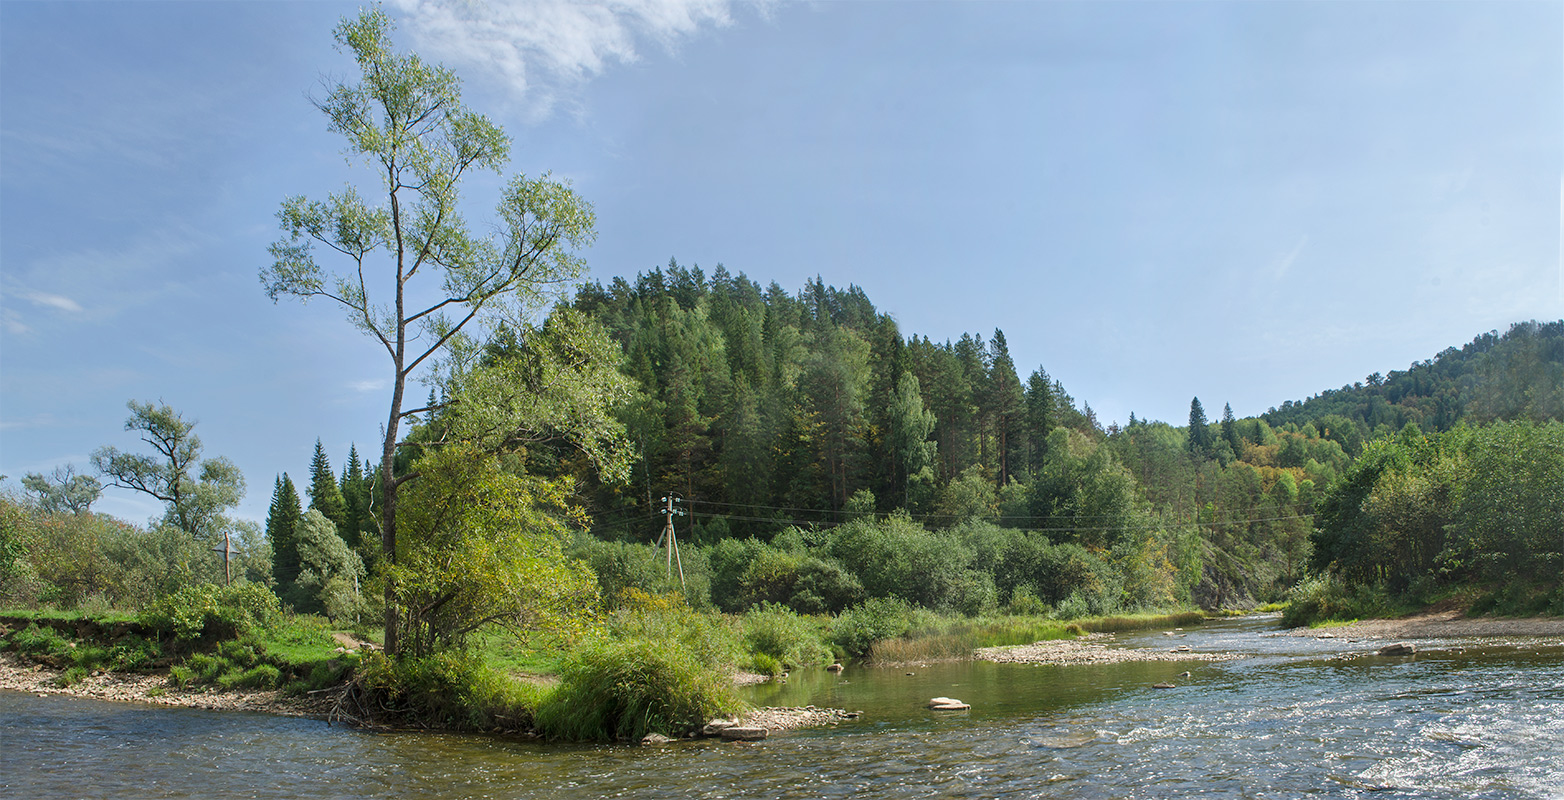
x,y
1397,649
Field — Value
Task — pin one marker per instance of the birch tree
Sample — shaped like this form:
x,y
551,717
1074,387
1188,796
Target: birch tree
x,y
412,274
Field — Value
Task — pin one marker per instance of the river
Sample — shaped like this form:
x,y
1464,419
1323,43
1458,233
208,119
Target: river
x,y
1464,718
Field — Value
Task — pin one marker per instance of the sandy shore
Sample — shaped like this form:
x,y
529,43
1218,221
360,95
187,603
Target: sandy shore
x,y
1092,650
1438,625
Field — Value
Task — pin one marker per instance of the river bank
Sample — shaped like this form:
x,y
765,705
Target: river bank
x,y
1438,625
154,688
1093,649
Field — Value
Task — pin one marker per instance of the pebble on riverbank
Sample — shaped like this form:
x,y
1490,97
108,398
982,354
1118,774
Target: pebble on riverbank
x,y
139,688
786,718
1069,652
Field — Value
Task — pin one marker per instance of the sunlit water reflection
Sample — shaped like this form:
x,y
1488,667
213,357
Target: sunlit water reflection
x,y
1297,717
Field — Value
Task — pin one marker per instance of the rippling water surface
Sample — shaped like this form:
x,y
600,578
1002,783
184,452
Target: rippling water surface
x,y
1297,717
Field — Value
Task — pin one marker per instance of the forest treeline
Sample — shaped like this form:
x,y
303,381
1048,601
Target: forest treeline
x,y
765,410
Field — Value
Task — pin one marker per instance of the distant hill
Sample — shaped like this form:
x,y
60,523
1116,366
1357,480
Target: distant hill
x,y
1517,375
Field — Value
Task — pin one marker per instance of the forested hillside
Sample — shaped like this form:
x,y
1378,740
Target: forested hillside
x,y
1515,376
765,409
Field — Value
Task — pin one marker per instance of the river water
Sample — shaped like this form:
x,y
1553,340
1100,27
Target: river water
x,y
1296,717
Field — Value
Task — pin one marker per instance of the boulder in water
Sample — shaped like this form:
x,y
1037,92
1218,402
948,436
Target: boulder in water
x,y
1397,649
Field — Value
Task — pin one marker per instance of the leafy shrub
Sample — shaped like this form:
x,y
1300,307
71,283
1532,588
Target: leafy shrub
x,y
783,638
238,653
856,630
451,690
1073,607
210,611
624,689
133,654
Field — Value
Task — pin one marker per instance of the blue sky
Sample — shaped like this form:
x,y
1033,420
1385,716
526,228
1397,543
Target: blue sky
x,y
1249,202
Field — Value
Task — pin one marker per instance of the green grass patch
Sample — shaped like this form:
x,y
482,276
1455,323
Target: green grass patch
x,y
626,688
75,615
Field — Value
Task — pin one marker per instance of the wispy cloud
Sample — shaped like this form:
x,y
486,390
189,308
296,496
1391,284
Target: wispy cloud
x,y
13,323
538,49
1283,265
54,301
107,279
367,386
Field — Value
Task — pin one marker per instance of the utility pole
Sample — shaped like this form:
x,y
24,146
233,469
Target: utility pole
x,y
228,552
672,538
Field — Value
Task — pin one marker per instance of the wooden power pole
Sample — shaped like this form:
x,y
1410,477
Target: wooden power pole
x,y
671,537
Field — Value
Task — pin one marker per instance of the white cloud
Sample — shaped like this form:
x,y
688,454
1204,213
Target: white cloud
x,y
367,386
536,49
54,301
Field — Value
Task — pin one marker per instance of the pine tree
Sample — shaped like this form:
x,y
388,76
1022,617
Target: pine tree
x,y
1230,431
282,523
1041,417
325,495
1009,408
355,500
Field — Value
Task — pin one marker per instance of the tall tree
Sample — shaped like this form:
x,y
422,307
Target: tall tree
x,y
1200,443
325,494
1041,418
195,502
1230,431
282,525
354,487
910,425
407,120
1009,407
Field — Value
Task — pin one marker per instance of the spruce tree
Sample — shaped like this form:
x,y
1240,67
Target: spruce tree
x,y
355,499
1200,443
1230,431
325,496
282,523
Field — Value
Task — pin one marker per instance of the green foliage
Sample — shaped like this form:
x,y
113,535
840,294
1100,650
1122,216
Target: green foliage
x,y
63,491
1417,512
1325,598
260,676
622,689
325,494
856,630
480,547
206,611
329,571
786,639
282,524
72,676
407,120
195,491
712,640
40,641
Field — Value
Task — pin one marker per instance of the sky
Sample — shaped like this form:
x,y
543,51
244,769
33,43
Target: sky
x,y
1245,202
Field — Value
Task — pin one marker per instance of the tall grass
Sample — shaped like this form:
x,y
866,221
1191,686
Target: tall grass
x,y
625,689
